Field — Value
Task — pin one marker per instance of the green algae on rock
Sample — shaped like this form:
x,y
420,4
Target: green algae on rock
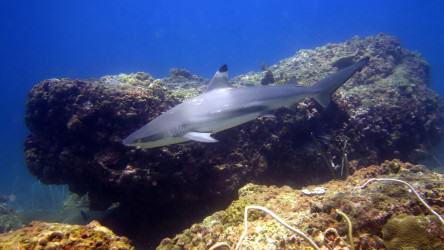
x,y
46,236
413,232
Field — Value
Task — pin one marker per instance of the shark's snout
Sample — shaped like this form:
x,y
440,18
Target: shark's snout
x,y
127,141
130,140
134,138
143,139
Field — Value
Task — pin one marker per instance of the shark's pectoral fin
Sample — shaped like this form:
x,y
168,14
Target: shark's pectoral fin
x,y
200,137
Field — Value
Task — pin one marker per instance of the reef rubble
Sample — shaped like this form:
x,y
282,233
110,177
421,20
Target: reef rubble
x,y
383,215
9,219
386,111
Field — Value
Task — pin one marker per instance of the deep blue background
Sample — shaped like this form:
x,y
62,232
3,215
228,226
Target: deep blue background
x,y
51,38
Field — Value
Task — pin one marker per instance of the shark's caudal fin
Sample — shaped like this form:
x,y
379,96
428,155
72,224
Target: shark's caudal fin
x,y
327,86
220,79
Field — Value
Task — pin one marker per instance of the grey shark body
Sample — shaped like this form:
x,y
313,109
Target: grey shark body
x,y
223,107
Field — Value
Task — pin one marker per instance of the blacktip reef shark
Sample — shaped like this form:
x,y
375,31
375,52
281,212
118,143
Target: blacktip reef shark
x,y
222,107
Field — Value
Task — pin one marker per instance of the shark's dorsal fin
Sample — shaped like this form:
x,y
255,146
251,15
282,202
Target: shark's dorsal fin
x,y
200,137
220,79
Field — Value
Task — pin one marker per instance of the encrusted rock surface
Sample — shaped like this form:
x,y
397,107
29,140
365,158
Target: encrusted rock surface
x,y
9,220
413,232
384,215
76,126
46,236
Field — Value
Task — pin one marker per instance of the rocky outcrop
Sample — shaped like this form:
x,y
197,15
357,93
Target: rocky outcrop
x,y
384,215
76,126
45,236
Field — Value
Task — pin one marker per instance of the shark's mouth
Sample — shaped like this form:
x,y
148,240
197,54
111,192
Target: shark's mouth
x,y
150,138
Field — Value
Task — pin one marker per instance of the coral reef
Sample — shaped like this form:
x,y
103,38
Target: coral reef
x,y
413,232
385,111
384,215
41,235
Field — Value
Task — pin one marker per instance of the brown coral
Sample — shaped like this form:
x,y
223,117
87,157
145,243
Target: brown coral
x,y
46,236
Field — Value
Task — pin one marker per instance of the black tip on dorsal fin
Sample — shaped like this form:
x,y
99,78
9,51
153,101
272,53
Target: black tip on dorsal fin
x,y
365,60
223,68
220,79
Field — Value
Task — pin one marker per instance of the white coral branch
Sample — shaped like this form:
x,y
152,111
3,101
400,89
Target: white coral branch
x,y
410,187
281,221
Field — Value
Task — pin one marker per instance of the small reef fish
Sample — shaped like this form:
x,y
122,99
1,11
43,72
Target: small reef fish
x,y
222,107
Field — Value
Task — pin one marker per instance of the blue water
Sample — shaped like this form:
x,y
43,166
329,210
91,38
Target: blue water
x,y
53,38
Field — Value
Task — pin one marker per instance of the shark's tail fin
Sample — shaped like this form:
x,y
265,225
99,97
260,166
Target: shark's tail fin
x,y
327,86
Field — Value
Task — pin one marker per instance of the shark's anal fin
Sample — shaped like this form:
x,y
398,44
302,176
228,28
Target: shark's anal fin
x,y
200,137
323,99
220,79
